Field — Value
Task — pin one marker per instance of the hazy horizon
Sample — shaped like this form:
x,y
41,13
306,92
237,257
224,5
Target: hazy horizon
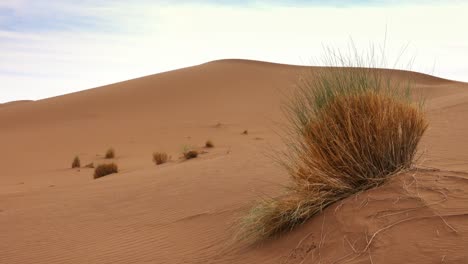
x,y
54,48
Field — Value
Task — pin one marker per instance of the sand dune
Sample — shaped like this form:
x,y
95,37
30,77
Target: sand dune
x,y
183,211
14,103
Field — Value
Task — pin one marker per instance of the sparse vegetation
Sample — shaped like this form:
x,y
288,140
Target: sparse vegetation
x,y
246,132
190,154
160,157
76,162
90,165
209,144
105,169
350,130
110,153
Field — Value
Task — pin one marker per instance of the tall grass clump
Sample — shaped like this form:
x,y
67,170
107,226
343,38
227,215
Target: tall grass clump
x,y
209,144
160,158
190,154
110,153
105,169
76,162
351,127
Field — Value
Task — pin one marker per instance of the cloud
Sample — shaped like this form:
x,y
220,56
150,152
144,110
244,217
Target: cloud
x,y
56,48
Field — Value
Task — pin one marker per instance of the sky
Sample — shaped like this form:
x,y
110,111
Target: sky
x,y
49,48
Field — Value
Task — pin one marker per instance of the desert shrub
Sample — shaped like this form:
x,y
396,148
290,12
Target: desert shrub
x,y
110,153
76,162
90,165
160,157
105,169
246,132
191,154
350,129
209,144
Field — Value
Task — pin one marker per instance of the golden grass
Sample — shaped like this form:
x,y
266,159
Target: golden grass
x,y
76,162
105,169
350,130
160,158
209,144
110,153
357,139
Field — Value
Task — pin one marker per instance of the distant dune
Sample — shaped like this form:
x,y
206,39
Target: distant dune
x,y
183,211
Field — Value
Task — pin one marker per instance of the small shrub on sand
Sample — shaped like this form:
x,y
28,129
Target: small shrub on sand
x,y
246,132
160,157
110,153
90,165
191,154
351,129
209,144
105,169
76,162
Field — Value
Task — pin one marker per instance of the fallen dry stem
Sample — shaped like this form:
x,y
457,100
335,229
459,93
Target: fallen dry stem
x,y
383,229
426,205
297,246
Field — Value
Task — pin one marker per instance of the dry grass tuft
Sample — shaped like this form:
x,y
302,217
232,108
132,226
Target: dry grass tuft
x,y
76,162
110,153
356,139
160,157
350,130
105,169
191,154
209,144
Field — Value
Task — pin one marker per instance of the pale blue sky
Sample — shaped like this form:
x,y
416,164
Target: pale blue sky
x,y
50,48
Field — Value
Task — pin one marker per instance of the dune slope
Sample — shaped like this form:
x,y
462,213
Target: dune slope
x,y
183,211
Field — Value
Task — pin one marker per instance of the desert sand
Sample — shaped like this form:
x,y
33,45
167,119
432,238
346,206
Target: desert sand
x,y
185,211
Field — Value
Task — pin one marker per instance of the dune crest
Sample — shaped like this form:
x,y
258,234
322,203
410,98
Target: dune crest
x,y
14,103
